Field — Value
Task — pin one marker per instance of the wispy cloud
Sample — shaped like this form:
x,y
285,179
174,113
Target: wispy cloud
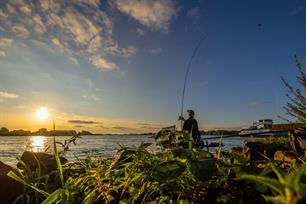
x,y
75,27
91,97
140,32
150,126
122,128
144,124
83,122
203,83
155,14
103,127
193,12
79,126
20,31
2,53
102,63
5,43
297,11
156,50
8,95
259,103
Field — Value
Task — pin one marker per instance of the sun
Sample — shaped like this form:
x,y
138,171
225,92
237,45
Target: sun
x,y
42,113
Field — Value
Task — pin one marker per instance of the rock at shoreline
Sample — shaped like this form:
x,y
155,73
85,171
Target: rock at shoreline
x,y
46,161
9,188
256,150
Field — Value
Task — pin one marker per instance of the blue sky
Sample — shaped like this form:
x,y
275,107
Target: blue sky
x,y
118,66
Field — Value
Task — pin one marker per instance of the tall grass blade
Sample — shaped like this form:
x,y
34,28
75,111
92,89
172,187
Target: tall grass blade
x,y
58,162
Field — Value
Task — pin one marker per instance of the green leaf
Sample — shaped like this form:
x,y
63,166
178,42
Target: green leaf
x,y
183,202
272,183
302,190
145,145
183,153
204,169
239,158
201,154
91,197
293,179
168,170
279,173
125,201
12,175
220,145
55,196
161,133
164,143
276,199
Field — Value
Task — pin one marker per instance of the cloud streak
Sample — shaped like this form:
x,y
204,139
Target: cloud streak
x,y
5,43
193,12
156,50
150,126
8,95
297,11
88,122
254,104
75,27
122,128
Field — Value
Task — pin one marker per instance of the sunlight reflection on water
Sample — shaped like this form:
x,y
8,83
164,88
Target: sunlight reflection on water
x,y
37,144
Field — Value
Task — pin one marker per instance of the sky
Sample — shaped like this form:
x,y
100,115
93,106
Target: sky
x,y
118,66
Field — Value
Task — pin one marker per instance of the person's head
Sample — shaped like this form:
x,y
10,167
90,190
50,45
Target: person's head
x,y
190,113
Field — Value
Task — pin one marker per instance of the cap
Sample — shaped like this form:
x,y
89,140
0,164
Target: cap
x,y
190,111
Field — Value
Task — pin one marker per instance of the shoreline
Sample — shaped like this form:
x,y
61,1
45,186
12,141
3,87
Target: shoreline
x,y
193,169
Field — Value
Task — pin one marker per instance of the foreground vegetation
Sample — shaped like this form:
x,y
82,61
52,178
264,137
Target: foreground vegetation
x,y
175,175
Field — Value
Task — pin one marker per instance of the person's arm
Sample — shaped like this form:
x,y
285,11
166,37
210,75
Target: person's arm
x,y
181,118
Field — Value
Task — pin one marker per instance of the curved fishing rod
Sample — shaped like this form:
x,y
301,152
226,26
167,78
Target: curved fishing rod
x,y
187,73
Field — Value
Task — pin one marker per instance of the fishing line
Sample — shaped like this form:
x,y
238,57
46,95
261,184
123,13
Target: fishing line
x,y
187,73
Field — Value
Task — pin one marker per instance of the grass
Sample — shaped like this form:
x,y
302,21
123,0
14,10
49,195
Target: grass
x,y
178,175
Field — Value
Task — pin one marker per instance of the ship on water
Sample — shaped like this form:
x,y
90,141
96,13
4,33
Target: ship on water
x,y
259,127
265,127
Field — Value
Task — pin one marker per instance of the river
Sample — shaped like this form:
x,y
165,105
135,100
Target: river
x,y
104,146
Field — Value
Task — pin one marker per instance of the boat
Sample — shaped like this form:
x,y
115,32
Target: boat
x,y
260,127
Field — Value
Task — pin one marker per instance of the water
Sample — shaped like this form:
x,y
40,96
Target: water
x,y
227,142
102,145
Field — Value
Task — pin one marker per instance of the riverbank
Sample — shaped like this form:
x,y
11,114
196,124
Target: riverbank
x,y
178,175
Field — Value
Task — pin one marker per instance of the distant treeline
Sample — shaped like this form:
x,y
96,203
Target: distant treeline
x,y
219,132
43,131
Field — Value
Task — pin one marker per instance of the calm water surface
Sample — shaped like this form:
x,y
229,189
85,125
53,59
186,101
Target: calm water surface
x,y
102,146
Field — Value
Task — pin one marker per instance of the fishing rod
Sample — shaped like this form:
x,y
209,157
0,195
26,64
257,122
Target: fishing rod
x,y
187,73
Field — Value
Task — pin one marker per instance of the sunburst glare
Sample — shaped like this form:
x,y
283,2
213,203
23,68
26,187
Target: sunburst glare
x,y
42,113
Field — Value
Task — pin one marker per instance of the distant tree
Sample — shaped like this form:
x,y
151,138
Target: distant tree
x,y
42,130
4,130
296,106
